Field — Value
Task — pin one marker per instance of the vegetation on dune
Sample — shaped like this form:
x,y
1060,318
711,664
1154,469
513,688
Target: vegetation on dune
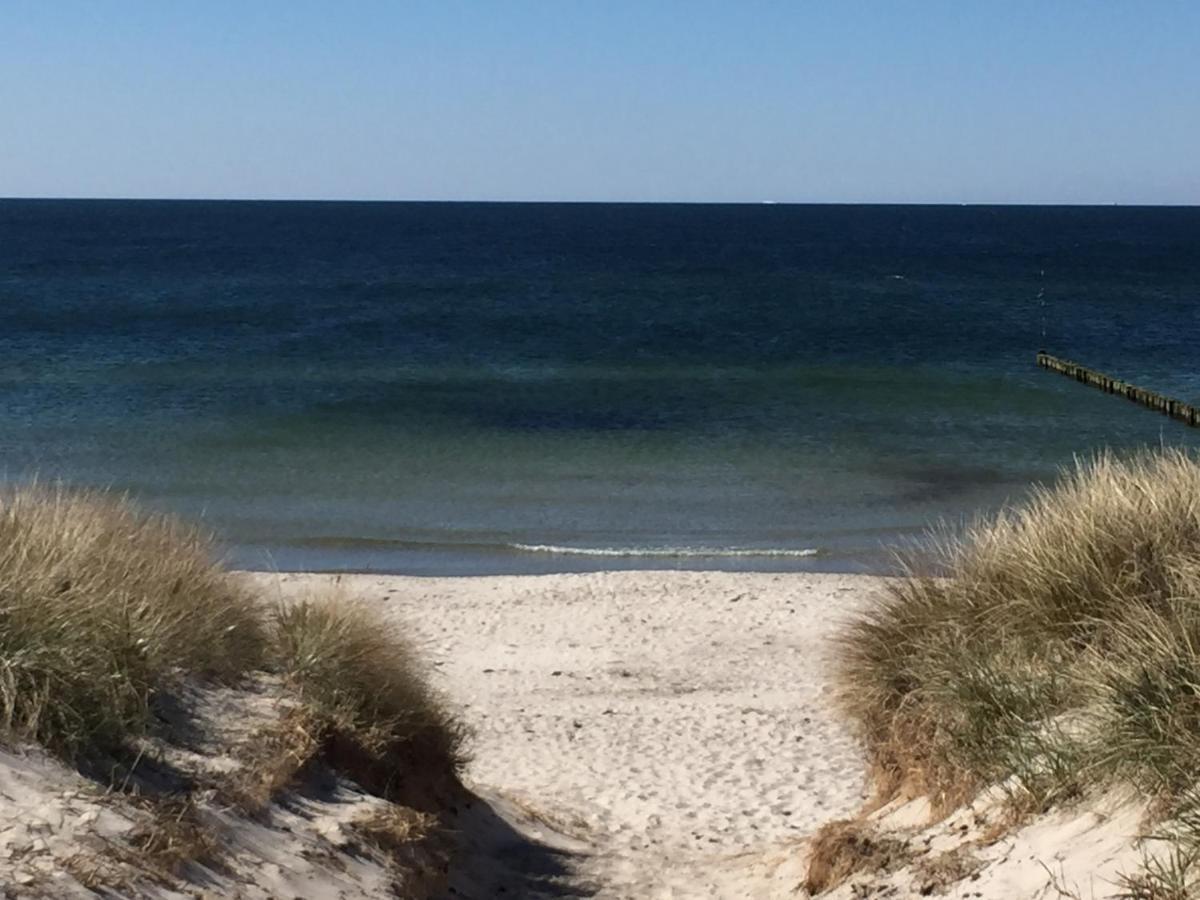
x,y
359,678
845,847
104,609
101,607
1053,647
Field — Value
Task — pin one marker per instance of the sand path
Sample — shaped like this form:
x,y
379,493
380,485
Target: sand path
x,y
652,734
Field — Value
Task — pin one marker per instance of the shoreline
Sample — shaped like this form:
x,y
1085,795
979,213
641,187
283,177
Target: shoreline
x,y
662,723
517,564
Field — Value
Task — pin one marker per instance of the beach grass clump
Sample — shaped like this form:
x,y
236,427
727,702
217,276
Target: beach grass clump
x,y
1053,646
273,758
104,606
109,614
418,849
355,673
101,607
1148,677
1053,649
844,848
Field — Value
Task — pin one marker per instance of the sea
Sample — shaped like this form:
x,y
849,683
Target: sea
x,y
486,388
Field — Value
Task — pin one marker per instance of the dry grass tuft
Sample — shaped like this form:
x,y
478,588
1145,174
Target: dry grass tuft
x,y
418,849
99,873
845,848
272,759
355,672
393,828
101,606
174,836
1054,646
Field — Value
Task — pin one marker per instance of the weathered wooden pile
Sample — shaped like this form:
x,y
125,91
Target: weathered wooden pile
x,y
1176,409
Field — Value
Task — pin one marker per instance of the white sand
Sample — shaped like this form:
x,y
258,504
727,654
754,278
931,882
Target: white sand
x,y
636,735
664,721
61,834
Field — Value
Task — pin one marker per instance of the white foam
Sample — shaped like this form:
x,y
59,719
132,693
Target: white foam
x,y
665,551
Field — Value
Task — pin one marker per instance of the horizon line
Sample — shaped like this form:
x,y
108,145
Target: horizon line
x,y
568,202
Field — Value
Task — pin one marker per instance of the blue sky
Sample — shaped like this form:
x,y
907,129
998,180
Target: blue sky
x,y
1072,101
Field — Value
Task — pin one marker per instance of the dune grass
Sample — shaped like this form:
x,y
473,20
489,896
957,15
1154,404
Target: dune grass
x,y
102,606
106,609
1053,647
356,673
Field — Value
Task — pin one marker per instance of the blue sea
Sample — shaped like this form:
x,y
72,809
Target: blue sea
x,y
489,388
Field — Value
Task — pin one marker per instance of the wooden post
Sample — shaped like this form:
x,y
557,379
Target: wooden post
x,y
1176,409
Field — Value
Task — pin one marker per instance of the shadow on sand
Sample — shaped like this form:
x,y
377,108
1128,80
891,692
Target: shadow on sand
x,y
506,853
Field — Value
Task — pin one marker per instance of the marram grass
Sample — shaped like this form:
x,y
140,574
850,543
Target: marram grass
x,y
103,607
1055,646
358,675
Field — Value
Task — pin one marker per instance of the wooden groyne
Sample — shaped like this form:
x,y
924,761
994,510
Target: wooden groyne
x,y
1176,409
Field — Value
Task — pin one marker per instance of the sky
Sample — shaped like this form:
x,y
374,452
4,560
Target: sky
x,y
924,101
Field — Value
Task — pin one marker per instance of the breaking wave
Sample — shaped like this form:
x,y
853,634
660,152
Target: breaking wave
x,y
666,552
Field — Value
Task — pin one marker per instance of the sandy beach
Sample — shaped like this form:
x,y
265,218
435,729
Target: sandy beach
x,y
671,732
631,734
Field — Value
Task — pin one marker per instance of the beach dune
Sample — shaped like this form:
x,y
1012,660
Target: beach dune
x,y
631,735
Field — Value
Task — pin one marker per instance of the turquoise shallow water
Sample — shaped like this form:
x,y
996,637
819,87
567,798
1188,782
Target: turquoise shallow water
x,y
444,388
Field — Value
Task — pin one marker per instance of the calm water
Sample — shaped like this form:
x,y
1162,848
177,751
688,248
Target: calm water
x,y
507,387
